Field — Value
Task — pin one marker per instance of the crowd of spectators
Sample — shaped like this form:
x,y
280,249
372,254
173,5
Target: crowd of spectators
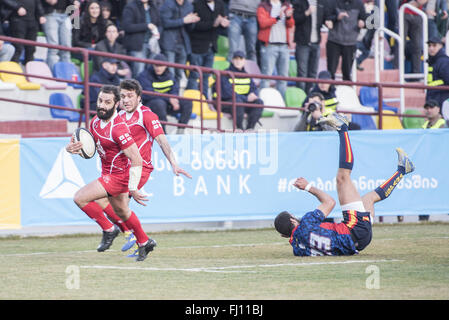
x,y
186,31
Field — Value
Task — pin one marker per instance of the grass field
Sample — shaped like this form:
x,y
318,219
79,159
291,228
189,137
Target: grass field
x,y
404,261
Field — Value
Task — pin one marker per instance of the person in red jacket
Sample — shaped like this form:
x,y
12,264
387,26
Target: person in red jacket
x,y
275,18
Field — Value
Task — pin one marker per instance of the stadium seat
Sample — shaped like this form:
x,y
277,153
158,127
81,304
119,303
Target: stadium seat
x,y
208,114
412,122
19,80
5,86
369,97
42,69
222,46
272,97
445,110
253,68
63,100
91,68
294,97
365,122
221,64
390,122
68,71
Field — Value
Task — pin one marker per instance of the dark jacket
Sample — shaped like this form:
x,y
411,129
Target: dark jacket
x,y
204,35
135,26
104,78
150,81
174,30
226,85
346,31
303,23
89,33
60,6
439,70
330,98
33,7
104,46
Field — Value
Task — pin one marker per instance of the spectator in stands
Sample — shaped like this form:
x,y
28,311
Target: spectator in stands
x,y
111,45
313,111
203,39
275,19
177,18
106,75
436,13
328,91
24,19
115,11
158,78
348,17
432,111
106,11
413,30
141,22
245,92
309,16
58,28
92,27
243,21
6,49
438,70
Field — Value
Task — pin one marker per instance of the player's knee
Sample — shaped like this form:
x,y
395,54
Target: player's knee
x,y
343,176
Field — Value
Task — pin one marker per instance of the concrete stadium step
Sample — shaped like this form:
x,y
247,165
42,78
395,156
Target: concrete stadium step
x,y
35,128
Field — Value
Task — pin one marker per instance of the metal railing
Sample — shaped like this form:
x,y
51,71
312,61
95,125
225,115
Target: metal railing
x,y
217,103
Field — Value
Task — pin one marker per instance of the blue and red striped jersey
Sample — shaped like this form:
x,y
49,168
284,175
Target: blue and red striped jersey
x,y
313,237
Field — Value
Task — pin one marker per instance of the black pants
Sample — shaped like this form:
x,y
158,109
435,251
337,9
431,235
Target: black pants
x,y
347,53
23,29
162,108
254,114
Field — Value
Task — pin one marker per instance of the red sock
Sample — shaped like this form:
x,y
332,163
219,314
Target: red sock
x,y
115,218
134,225
95,212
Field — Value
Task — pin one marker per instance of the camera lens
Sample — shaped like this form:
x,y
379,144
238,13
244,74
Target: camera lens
x,y
312,107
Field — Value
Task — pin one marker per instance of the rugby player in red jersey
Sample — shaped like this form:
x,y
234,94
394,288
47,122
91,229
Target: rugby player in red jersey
x,y
310,235
145,128
120,176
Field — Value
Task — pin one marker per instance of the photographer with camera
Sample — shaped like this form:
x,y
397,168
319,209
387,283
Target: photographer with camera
x,y
313,111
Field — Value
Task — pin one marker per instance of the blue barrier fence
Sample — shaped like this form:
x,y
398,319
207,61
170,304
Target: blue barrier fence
x,y
242,176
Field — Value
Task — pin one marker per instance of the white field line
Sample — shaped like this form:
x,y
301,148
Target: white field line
x,y
180,247
194,247
237,267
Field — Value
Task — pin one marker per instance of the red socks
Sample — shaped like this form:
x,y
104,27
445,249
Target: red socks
x,y
115,218
134,225
95,212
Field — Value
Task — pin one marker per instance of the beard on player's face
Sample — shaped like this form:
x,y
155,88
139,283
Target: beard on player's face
x,y
105,114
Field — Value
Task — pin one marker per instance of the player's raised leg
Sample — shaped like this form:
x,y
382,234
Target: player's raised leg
x,y
347,192
405,166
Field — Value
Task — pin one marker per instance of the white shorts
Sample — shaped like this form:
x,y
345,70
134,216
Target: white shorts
x,y
357,206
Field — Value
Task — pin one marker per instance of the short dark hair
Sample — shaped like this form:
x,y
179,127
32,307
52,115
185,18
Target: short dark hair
x,y
131,85
316,94
283,225
111,89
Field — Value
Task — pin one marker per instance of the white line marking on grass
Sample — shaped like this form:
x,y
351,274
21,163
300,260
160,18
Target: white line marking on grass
x,y
225,268
180,247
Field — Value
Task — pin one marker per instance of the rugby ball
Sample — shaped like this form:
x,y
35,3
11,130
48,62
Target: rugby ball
x,y
83,135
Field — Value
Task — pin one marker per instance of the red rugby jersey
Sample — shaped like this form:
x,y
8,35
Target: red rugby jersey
x,y
111,138
144,126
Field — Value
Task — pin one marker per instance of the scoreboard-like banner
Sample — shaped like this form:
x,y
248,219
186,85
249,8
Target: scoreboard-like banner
x,y
234,176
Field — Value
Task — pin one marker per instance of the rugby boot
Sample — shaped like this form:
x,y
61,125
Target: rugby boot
x,y
130,241
144,250
334,120
107,239
404,161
